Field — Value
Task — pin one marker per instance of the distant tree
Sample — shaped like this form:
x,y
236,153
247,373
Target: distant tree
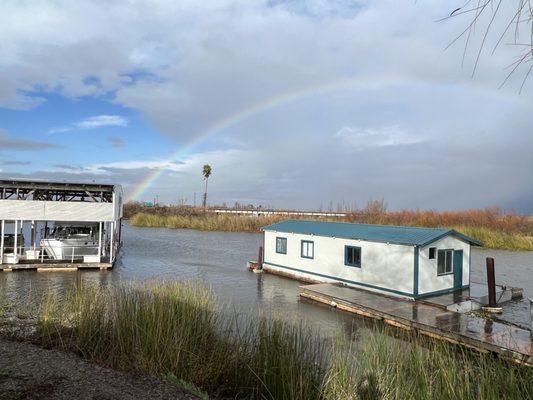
x,y
206,172
375,207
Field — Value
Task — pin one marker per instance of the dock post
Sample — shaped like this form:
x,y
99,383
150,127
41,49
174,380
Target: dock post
x,y
111,243
15,238
531,314
260,257
491,282
100,240
2,228
33,236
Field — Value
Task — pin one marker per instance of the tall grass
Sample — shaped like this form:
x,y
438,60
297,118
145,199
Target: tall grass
x,y
205,222
490,226
176,329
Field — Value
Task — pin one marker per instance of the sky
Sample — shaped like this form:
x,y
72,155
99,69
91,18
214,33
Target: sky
x,y
294,104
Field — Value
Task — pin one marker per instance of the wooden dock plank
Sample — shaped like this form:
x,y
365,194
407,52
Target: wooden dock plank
x,y
41,267
484,335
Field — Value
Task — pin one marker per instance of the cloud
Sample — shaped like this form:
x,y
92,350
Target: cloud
x,y
96,122
116,142
105,168
365,138
14,162
7,142
280,96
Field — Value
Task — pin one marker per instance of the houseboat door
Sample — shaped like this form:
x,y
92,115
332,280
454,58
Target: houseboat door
x,y
457,269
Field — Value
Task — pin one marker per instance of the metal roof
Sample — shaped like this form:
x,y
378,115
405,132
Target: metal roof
x,y
405,235
55,185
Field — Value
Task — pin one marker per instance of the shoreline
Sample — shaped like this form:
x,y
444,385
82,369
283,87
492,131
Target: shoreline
x,y
29,370
492,238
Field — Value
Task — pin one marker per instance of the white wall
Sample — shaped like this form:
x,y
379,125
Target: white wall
x,y
387,266
30,210
428,280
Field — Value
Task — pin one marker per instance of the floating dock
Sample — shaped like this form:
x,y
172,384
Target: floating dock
x,y
54,266
433,320
71,225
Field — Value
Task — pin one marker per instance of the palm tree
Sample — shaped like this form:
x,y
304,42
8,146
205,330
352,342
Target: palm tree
x,y
206,172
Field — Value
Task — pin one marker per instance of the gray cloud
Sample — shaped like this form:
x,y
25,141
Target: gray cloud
x,y
305,102
14,162
116,142
7,142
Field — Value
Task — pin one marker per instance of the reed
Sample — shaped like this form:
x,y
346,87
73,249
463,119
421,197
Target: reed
x,y
177,330
204,222
493,228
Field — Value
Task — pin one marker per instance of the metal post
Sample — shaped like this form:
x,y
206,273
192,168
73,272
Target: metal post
x,y
531,313
112,232
33,236
100,240
21,237
491,282
15,248
2,228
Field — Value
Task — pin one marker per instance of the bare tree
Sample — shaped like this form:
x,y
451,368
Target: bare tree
x,y
520,24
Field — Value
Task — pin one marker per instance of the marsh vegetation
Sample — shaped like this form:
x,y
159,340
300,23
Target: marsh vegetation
x,y
178,329
494,228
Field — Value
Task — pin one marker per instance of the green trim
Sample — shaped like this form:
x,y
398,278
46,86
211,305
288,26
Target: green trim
x,y
281,239
457,235
416,270
341,279
355,265
439,292
444,273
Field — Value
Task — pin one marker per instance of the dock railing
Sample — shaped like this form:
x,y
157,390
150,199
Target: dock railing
x,y
38,253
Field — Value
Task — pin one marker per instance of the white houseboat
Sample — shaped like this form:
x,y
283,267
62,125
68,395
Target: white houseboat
x,y
405,261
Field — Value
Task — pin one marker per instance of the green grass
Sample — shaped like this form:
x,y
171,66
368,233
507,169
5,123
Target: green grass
x,y
187,387
495,239
177,330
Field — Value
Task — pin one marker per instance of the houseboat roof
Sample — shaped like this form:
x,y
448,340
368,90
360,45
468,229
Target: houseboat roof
x,y
406,235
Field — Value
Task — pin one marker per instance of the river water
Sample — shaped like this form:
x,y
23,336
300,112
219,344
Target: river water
x,y
218,259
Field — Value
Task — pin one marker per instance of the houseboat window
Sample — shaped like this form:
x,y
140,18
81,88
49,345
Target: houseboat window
x,y
281,245
432,251
444,262
308,249
352,256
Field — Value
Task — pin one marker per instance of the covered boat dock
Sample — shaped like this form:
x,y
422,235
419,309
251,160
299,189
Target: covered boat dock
x,y
69,225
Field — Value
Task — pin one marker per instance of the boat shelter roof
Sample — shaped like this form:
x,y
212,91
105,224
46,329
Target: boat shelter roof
x,y
405,235
40,200
55,185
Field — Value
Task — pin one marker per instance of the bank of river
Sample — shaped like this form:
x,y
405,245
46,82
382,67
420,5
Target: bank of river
x,y
218,259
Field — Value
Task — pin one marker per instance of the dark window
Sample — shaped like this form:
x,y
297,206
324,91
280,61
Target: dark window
x,y
352,256
444,262
281,245
308,249
432,251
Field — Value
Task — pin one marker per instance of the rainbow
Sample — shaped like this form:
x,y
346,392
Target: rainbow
x,y
258,108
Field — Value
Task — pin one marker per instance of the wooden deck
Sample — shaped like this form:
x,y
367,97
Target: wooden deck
x,y
54,266
507,341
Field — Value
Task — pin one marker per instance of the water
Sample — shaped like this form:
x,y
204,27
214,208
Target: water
x,y
219,259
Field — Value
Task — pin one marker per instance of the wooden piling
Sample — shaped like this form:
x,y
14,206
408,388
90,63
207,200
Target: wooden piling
x,y
491,282
260,257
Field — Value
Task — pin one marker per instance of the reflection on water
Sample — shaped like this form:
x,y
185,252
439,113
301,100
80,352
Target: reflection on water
x,y
219,260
